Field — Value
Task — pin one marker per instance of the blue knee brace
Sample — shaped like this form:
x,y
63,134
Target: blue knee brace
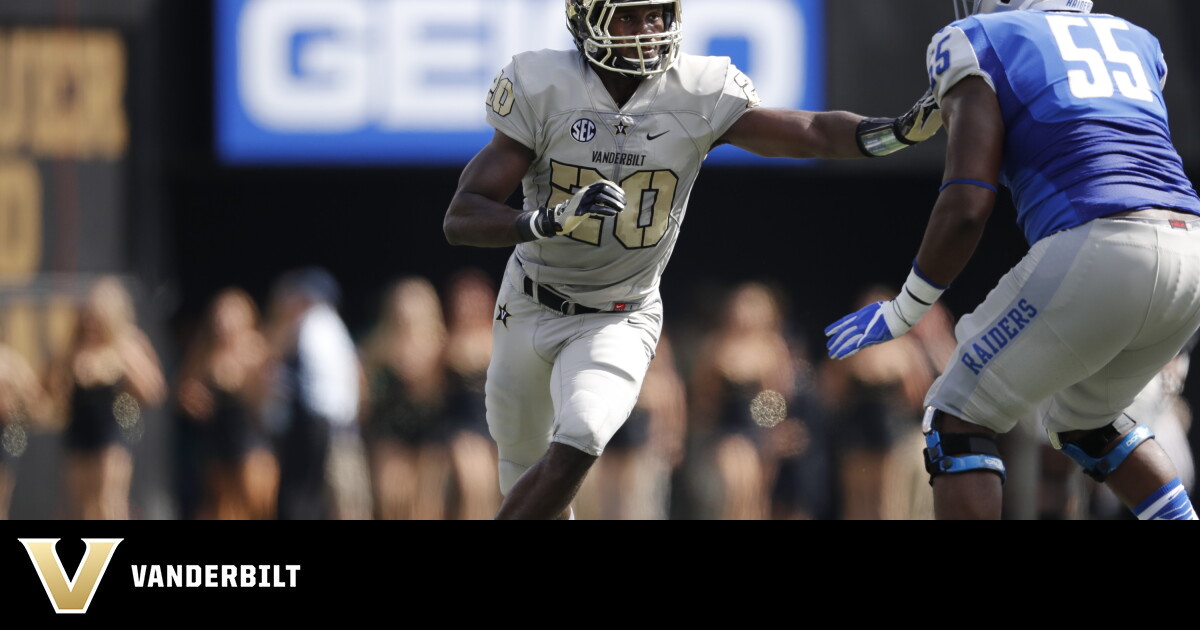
x,y
1088,451
956,453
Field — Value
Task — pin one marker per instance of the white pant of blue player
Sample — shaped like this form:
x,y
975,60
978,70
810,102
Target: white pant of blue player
x,y
1078,328
572,379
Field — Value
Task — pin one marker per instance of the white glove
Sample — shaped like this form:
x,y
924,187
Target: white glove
x,y
922,122
883,136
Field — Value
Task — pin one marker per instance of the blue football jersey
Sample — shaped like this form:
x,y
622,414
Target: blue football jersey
x,y
1086,124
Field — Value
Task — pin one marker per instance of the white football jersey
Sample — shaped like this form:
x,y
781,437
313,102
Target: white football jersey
x,y
554,103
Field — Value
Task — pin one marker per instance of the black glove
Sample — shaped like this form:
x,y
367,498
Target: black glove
x,y
600,199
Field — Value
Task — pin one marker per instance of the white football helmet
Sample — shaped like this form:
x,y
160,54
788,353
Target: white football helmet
x,y
963,8
589,22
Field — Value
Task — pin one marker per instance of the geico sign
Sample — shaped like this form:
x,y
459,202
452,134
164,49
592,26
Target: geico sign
x,y
337,66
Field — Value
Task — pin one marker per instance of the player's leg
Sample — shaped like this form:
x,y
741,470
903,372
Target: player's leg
x,y
1144,477
1034,335
1085,420
520,417
966,471
595,383
545,491
1121,453
520,411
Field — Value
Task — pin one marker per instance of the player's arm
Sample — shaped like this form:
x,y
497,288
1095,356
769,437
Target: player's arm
x,y
795,134
975,147
832,135
479,214
975,128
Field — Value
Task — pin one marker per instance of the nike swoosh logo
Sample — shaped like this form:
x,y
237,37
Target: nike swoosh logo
x,y
659,135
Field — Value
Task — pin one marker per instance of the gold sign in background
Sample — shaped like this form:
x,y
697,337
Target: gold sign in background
x,y
62,102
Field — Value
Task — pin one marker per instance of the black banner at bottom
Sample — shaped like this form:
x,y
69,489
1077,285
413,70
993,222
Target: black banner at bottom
x,y
234,571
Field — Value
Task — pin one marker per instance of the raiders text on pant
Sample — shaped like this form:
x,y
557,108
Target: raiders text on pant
x,y
215,576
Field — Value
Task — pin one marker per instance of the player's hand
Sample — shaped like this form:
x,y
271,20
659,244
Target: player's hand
x,y
600,199
922,122
883,321
867,327
878,137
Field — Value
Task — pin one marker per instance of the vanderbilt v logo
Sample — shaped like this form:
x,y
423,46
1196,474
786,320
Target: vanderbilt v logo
x,y
75,595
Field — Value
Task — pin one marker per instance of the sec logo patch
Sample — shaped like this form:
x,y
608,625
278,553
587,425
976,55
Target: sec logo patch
x,y
583,130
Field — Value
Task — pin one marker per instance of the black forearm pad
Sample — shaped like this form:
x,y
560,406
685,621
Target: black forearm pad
x,y
541,225
877,137
524,230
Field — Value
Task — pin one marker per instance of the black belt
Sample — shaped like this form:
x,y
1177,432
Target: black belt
x,y
555,301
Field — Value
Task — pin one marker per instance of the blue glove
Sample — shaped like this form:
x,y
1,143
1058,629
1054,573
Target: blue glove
x,y
859,330
883,321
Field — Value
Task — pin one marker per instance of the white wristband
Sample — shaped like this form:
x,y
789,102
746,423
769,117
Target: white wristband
x,y
915,299
533,225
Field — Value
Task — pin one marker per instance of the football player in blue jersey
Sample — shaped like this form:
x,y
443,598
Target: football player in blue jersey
x,y
1065,108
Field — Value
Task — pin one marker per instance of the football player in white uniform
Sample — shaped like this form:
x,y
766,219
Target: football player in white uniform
x,y
607,142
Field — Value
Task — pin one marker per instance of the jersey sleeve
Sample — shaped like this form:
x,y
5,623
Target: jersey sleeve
x,y
952,57
737,97
1161,68
509,108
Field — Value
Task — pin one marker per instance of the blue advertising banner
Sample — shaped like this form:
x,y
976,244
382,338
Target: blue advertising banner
x,y
378,82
